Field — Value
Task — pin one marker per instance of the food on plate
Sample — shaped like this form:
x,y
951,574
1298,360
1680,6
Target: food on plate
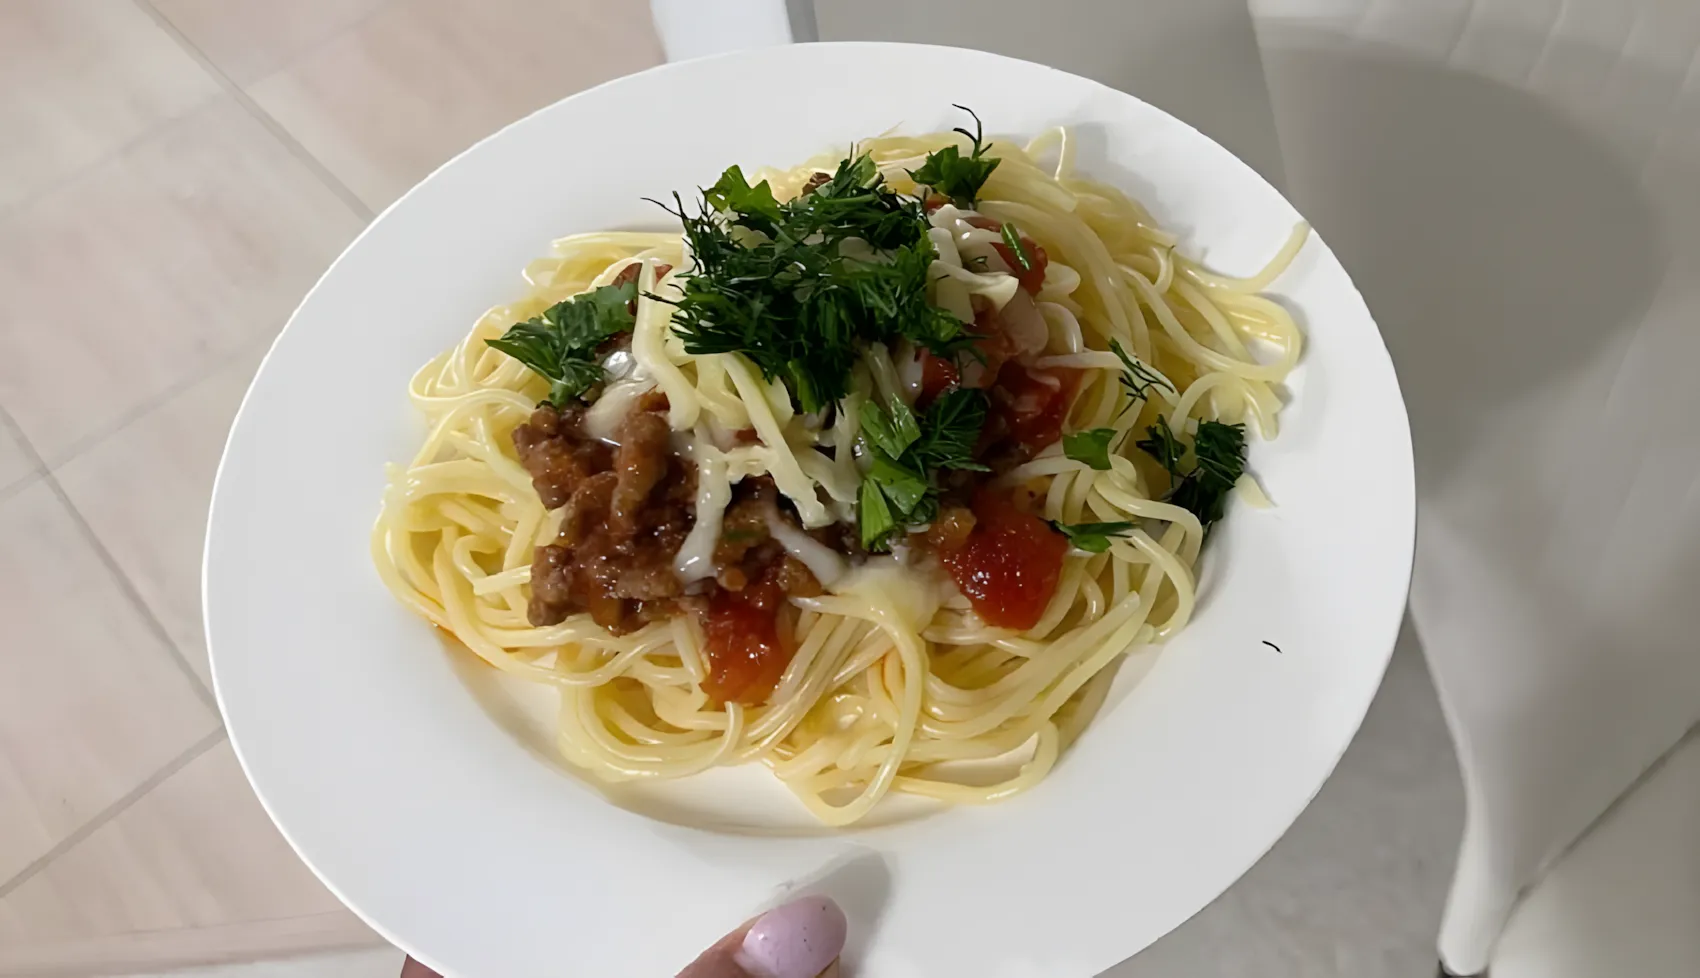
x,y
873,472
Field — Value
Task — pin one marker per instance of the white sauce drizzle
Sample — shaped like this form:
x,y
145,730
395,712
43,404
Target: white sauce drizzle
x,y
695,559
822,561
603,418
969,245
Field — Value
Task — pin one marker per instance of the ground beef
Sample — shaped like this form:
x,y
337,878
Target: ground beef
x,y
645,456
795,579
626,512
744,526
559,455
747,552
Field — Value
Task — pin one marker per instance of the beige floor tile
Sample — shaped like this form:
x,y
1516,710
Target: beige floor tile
x,y
80,78
15,463
91,703
421,80
156,536
250,38
384,962
196,851
192,244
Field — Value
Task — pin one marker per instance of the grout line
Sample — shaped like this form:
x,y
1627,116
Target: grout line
x,y
36,468
26,480
129,588
122,579
260,115
70,177
147,406
112,811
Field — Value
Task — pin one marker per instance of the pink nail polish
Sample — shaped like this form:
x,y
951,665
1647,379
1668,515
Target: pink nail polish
x,y
797,940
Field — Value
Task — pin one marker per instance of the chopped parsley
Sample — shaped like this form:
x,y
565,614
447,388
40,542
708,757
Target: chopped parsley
x,y
901,486
1094,538
893,431
953,175
560,345
1137,377
1091,446
733,194
1218,452
790,299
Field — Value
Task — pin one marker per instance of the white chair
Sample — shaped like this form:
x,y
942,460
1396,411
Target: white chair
x,y
1516,188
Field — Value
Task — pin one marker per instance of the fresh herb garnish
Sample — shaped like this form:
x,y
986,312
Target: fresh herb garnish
x,y
753,206
901,486
892,432
1012,238
950,430
1218,452
792,302
1161,444
1091,446
560,345
956,176
874,518
1138,378
1094,538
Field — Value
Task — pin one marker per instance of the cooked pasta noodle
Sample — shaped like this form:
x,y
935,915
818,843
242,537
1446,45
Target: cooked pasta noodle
x,y
894,682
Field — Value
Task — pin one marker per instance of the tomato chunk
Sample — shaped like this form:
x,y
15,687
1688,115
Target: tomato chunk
x,y
994,345
747,645
1027,413
938,375
1032,278
1009,566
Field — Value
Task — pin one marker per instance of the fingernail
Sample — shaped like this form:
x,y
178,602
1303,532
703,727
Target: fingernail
x,y
797,940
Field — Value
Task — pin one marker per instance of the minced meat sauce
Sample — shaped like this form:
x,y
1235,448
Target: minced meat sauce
x,y
627,511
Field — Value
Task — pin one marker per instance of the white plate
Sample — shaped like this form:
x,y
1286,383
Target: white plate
x,y
437,814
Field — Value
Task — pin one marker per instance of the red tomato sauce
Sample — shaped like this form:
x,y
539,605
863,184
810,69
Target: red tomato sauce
x,y
748,643
937,376
1032,278
994,345
1028,409
1009,567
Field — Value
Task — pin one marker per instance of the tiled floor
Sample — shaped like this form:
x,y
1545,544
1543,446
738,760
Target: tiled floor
x,y
173,176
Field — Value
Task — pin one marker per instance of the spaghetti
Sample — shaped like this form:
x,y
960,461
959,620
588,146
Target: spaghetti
x,y
906,663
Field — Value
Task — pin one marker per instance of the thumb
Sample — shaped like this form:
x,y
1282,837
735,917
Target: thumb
x,y
800,939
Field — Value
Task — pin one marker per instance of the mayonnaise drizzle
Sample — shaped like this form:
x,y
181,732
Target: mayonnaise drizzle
x,y
827,564
695,559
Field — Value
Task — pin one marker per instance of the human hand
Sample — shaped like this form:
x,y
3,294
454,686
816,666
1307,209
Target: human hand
x,y
800,939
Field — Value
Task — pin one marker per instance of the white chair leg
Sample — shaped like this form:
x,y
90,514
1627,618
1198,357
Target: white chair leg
x,y
1477,908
